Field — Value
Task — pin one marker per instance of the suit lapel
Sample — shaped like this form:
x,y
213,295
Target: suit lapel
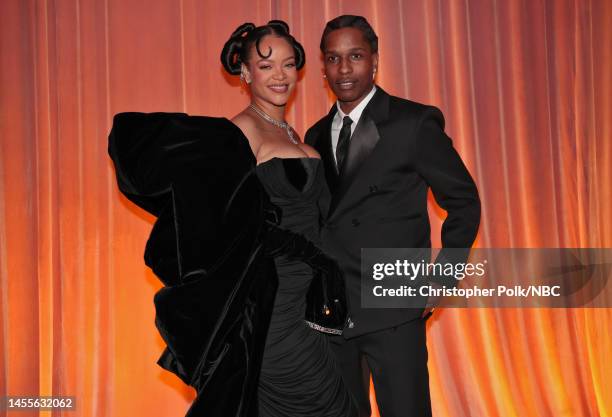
x,y
363,141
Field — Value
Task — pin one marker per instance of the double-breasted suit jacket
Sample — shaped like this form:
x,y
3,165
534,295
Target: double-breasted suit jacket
x,y
398,151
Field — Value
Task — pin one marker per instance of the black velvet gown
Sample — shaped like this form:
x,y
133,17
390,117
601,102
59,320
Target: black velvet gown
x,y
298,376
236,285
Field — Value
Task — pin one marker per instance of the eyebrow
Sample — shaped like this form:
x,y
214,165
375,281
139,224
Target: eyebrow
x,y
358,49
283,60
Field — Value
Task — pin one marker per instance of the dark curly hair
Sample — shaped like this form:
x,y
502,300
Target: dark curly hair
x,y
351,21
236,49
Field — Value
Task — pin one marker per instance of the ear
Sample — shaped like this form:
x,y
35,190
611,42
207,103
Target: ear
x,y
375,61
245,74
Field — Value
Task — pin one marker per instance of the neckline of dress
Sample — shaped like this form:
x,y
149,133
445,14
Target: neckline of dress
x,y
277,157
310,175
248,145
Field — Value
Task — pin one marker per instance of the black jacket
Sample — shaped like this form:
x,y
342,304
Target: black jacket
x,y
398,152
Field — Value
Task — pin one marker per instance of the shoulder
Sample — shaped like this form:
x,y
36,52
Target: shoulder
x,y
402,106
414,112
315,130
251,129
243,120
246,123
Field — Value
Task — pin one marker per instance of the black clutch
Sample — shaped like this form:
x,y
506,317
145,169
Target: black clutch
x,y
326,302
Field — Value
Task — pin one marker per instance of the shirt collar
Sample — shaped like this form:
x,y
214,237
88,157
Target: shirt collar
x,y
355,114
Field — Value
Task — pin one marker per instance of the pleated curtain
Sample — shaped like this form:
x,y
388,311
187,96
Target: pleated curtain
x,y
525,87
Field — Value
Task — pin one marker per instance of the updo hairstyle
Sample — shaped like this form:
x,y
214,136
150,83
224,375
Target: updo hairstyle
x,y
236,50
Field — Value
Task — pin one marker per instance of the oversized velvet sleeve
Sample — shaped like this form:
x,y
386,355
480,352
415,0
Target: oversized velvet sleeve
x,y
182,169
195,174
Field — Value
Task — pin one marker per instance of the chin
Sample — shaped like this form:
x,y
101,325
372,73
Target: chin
x,y
275,100
278,101
347,96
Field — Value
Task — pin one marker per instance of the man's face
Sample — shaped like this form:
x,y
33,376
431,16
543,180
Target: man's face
x,y
350,66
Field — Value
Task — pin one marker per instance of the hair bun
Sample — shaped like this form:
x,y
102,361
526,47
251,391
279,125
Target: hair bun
x,y
230,54
243,30
279,24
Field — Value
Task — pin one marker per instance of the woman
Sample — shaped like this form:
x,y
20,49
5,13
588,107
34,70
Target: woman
x,y
238,206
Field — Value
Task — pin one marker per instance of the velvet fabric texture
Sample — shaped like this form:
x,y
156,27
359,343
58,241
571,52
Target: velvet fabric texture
x,y
212,247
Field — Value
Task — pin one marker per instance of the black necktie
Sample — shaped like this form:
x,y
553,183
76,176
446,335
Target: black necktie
x,y
343,142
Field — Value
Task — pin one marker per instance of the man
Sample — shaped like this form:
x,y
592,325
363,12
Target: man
x,y
381,155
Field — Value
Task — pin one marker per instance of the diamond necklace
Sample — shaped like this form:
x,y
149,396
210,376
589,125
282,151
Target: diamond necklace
x,y
269,119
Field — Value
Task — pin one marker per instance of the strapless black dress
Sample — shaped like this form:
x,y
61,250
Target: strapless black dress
x,y
299,376
230,273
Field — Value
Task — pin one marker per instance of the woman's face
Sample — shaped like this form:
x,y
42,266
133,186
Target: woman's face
x,y
272,79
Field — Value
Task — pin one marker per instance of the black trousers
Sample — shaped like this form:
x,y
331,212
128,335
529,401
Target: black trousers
x,y
397,360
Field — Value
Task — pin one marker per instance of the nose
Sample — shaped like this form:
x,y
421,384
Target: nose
x,y
345,66
279,73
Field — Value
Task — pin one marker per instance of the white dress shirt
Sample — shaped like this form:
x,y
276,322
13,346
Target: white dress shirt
x,y
355,115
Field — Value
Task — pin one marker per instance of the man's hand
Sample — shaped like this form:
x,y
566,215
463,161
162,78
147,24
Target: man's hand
x,y
427,312
432,301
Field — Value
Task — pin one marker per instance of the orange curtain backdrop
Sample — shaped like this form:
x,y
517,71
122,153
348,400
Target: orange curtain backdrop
x,y
525,87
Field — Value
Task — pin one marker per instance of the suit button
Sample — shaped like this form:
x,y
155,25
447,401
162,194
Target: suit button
x,y
373,189
355,222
